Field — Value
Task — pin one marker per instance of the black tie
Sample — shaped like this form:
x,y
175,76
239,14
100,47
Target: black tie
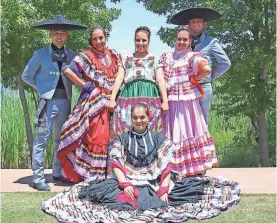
x,y
59,56
195,41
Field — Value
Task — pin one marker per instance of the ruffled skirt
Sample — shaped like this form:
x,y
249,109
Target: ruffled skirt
x,y
85,136
142,91
192,198
185,126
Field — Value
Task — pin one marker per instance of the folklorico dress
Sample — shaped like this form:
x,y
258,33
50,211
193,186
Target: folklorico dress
x,y
144,159
184,123
139,86
85,135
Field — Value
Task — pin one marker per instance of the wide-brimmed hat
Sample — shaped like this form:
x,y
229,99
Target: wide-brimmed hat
x,y
183,17
58,23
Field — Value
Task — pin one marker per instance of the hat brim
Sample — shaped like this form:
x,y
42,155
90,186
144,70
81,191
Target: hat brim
x,y
183,17
54,24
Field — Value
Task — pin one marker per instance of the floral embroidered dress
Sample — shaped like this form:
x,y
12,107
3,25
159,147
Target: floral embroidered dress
x,y
184,123
139,86
85,135
144,159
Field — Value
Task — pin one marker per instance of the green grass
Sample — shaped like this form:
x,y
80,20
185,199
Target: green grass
x,y
24,207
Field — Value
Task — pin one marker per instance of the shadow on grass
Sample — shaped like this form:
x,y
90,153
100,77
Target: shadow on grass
x,y
48,179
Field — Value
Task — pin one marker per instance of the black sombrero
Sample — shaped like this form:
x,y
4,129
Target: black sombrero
x,y
58,23
183,17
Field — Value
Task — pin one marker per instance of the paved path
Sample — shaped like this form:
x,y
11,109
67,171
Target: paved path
x,y
251,180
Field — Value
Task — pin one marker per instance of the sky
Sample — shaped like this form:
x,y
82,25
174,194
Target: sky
x,y
132,16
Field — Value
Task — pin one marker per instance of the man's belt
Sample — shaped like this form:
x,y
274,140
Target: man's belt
x,y
60,93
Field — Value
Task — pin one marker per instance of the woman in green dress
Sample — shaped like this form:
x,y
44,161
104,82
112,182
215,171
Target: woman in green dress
x,y
141,80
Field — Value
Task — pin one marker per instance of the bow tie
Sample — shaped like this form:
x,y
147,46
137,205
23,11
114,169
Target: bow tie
x,y
59,56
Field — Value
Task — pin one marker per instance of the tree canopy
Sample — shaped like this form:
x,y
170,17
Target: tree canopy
x,y
19,40
247,31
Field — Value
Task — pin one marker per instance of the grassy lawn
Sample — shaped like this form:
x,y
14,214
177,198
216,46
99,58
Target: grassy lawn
x,y
25,208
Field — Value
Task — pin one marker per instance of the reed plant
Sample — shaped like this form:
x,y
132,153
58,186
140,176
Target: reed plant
x,y
15,151
234,136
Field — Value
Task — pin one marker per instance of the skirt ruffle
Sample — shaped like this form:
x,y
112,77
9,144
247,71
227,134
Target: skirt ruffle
x,y
193,198
139,91
88,157
185,126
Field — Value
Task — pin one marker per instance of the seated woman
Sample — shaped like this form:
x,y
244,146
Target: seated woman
x,y
139,188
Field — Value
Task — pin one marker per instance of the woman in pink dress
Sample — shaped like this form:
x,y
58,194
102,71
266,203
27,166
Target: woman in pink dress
x,y
184,124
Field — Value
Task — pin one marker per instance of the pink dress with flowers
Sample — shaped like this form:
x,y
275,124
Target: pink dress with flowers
x,y
139,86
184,124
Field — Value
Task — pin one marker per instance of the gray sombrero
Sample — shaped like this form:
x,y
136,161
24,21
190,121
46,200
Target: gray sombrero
x,y
58,23
183,17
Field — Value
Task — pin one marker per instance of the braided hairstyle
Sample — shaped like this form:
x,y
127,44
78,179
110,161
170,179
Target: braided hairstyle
x,y
185,28
143,29
92,29
143,106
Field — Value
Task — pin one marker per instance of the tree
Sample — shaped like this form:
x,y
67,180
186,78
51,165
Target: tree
x,y
19,40
248,32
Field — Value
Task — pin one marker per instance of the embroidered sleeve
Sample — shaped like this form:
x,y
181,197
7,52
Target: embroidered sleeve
x,y
163,65
79,65
75,67
162,60
123,60
120,61
157,63
197,62
165,154
117,150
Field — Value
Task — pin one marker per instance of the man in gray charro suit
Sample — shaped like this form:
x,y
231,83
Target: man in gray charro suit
x,y
44,72
196,19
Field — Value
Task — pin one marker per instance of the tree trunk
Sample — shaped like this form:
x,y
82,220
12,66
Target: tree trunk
x,y
263,140
261,120
254,122
28,126
35,99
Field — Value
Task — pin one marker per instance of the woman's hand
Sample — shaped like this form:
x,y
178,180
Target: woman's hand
x,y
111,105
130,192
88,87
164,198
205,70
194,79
164,107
